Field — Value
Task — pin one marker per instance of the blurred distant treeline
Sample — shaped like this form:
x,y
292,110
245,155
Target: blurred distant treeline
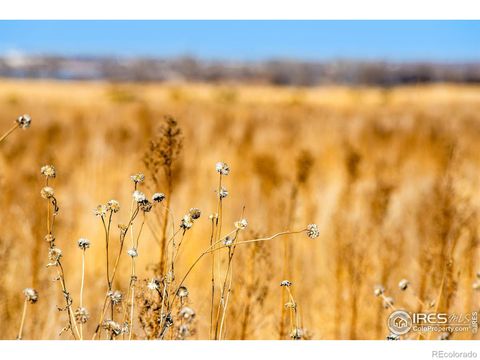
x,y
279,72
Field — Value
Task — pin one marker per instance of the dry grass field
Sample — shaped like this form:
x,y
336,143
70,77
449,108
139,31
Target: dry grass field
x,y
391,177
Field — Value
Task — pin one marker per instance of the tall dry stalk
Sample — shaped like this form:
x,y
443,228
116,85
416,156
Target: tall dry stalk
x,y
160,157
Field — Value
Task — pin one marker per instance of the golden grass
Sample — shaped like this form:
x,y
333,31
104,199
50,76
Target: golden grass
x,y
393,184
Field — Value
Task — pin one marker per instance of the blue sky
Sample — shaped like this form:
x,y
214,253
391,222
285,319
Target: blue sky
x,y
248,40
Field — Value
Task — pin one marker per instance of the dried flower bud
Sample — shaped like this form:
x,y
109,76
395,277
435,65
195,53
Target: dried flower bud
x,y
187,313
49,238
228,241
403,284
139,196
296,334
48,171
145,206
154,284
113,206
115,328
222,168
182,292
54,254
158,197
83,244
115,296
31,295
312,231
393,337
378,290
286,283
47,192
195,213
100,211
132,252
223,193
187,222
241,224
138,178
81,315
24,121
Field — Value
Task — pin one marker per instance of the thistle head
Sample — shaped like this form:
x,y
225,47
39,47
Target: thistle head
x,y
48,171
138,178
83,244
47,192
312,231
24,121
222,168
31,295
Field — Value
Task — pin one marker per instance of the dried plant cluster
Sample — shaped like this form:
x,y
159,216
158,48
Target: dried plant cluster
x,y
322,196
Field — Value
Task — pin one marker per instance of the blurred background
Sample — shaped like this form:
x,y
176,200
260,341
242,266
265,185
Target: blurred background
x,y
369,129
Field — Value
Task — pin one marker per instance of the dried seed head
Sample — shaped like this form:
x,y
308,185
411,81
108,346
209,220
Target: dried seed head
x,y
312,231
115,328
168,320
286,283
115,296
54,254
139,196
388,302
184,331
158,197
138,178
145,206
154,284
47,192
100,211
297,334
187,313
24,121
132,252
223,193
83,244
393,336
49,238
222,168
403,284
81,315
182,292
228,241
241,224
378,290
48,171
113,206
31,295
123,228
195,213
187,222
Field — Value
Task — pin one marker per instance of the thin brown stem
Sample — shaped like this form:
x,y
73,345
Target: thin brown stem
x,y
81,291
24,314
11,130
